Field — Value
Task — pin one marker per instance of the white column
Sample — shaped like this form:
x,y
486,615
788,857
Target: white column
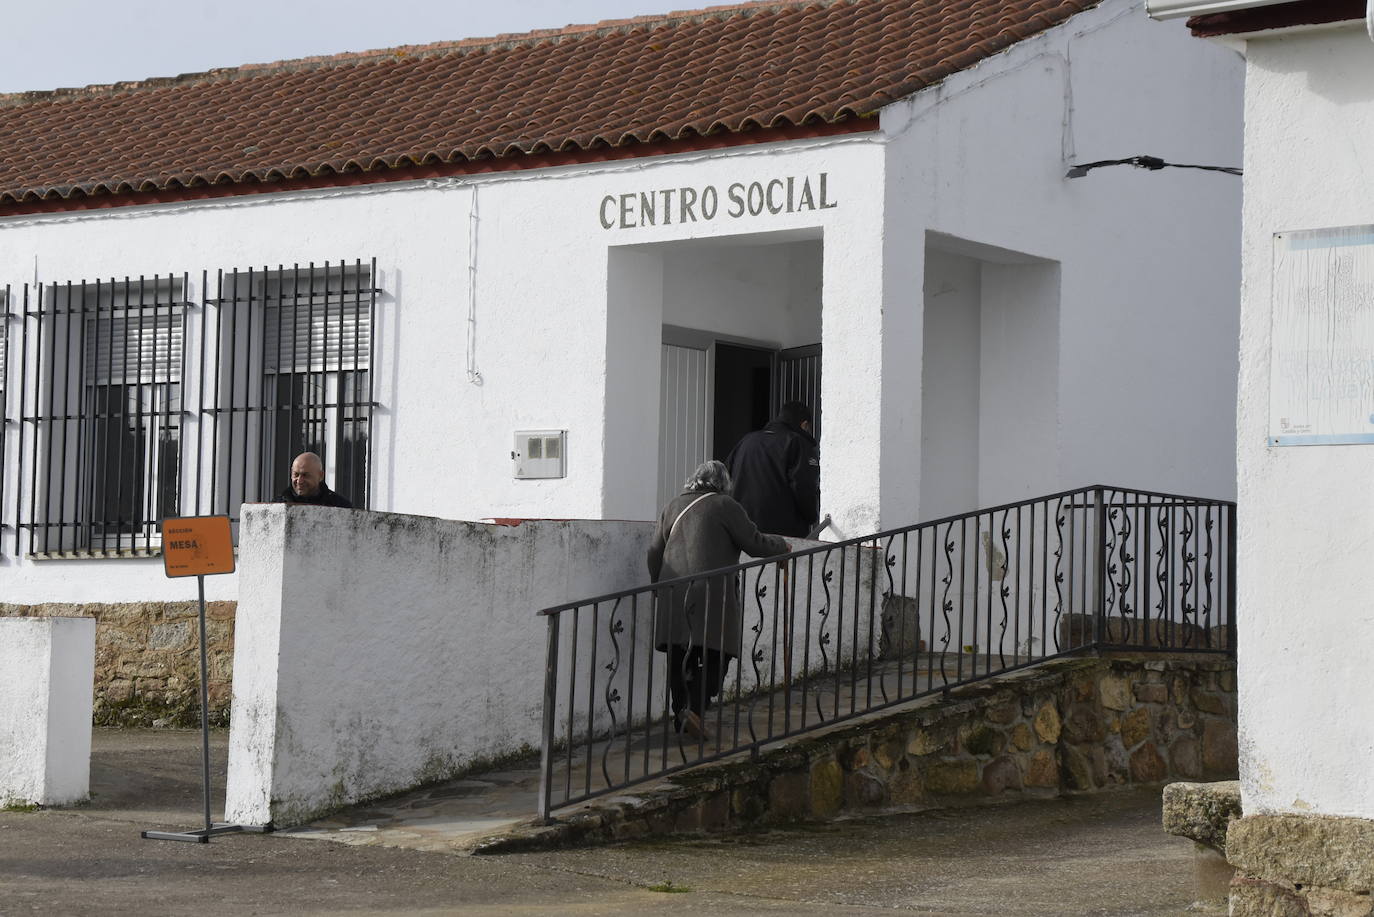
x,y
47,677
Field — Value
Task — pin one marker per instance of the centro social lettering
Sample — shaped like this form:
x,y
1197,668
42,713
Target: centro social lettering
x,y
664,206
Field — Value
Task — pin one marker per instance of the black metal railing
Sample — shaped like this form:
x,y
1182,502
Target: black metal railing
x,y
840,630
136,401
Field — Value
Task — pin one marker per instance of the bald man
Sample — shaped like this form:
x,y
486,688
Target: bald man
x,y
308,486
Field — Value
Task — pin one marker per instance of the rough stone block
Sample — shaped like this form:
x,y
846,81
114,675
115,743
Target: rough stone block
x,y
1022,738
788,797
827,788
1003,712
1043,770
1208,702
925,742
1115,692
1047,724
863,790
1078,769
1256,898
1151,694
906,787
748,805
887,754
1118,761
1202,811
1185,758
715,812
983,740
1335,902
1147,765
1219,753
1326,850
1083,723
951,777
1001,775
170,636
1135,727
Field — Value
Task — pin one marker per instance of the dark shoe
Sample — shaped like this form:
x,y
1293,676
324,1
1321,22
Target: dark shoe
x,y
694,727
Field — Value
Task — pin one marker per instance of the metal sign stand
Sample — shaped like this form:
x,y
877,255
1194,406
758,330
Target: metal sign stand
x,y
183,554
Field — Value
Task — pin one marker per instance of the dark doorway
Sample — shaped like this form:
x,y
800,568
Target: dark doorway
x,y
799,379
744,394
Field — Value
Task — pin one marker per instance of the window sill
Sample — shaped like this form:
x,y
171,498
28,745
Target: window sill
x,y
108,554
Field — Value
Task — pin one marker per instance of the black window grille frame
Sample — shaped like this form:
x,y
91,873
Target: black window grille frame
x,y
247,460
193,420
6,316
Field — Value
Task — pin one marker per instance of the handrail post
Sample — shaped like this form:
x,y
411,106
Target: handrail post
x,y
1231,578
550,704
1099,568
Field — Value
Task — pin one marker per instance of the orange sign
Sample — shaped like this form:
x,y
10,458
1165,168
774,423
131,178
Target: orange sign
x,y
197,546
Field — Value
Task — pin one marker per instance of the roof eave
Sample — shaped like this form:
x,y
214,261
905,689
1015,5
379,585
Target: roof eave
x,y
1253,17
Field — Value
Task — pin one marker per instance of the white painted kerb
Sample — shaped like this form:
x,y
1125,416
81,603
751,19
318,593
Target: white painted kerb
x,y
47,673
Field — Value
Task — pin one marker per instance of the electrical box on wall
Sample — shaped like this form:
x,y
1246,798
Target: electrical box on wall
x,y
539,453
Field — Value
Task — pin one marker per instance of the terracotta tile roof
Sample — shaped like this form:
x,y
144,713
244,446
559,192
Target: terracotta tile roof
x,y
730,74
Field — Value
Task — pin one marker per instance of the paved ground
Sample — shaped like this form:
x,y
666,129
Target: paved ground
x,y
1099,855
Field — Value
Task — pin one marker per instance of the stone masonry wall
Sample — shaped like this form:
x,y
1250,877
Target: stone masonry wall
x,y
1301,866
1075,725
147,659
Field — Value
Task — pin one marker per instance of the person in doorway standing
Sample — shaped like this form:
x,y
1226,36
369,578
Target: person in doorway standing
x,y
308,486
698,624
777,473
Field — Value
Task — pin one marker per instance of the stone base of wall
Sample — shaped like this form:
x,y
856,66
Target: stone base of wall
x,y
147,659
1301,865
1069,726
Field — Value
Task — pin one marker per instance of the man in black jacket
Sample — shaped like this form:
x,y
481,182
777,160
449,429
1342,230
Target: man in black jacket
x,y
308,486
777,473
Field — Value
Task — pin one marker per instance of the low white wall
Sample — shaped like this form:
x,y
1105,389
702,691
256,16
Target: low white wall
x,y
376,651
47,668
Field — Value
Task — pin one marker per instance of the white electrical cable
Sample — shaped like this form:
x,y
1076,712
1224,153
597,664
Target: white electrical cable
x,y
474,376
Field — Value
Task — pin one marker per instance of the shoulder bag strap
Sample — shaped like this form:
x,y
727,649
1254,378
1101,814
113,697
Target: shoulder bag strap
x,y
672,528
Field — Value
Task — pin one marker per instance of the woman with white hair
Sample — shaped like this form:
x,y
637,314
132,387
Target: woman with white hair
x,y
699,625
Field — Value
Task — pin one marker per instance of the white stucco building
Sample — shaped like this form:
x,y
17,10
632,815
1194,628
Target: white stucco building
x,y
1306,843
631,239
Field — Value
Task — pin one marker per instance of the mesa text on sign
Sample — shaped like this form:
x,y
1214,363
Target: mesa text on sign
x,y
197,546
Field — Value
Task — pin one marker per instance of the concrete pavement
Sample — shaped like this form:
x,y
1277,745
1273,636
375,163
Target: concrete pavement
x,y
1103,855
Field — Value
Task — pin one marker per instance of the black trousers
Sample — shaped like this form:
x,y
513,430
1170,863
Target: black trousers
x,y
695,676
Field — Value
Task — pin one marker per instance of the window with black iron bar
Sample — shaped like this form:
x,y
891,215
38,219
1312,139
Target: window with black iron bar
x,y
288,358
5,318
100,410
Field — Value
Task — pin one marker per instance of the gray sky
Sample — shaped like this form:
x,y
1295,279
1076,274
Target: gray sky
x,y
56,43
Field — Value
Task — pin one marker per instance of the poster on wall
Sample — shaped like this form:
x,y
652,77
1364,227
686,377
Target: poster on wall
x,y
1321,380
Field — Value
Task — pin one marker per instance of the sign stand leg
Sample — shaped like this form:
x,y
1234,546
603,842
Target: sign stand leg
x,y
203,835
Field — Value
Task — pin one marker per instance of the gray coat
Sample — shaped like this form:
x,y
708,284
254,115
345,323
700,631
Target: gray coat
x,y
709,536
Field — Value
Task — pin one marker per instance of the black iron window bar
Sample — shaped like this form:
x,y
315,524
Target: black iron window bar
x,y
108,444
838,631
6,316
288,370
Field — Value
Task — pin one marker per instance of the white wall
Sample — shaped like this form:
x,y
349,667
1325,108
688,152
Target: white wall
x,y
770,293
1147,300
47,670
950,385
375,651
538,319
561,338
1306,531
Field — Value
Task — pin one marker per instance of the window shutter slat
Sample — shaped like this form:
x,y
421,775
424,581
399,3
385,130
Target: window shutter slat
x,y
317,336
134,346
